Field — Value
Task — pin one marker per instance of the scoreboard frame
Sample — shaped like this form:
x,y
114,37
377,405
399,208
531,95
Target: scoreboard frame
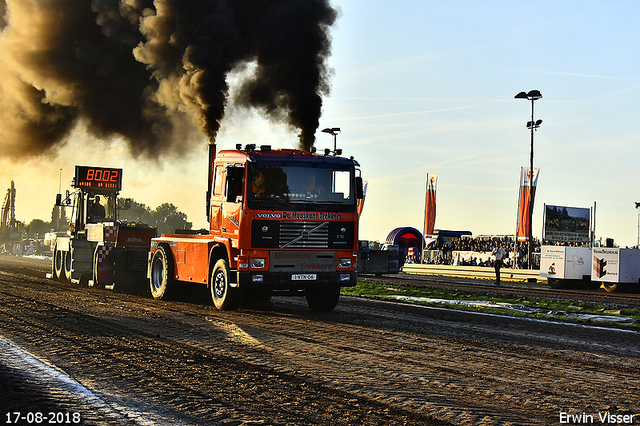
x,y
103,178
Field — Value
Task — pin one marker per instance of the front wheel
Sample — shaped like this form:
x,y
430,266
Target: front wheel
x,y
323,299
223,295
161,280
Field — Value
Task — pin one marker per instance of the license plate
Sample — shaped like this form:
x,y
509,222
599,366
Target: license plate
x,y
303,277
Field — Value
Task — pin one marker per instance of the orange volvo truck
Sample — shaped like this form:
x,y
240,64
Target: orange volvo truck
x,y
281,222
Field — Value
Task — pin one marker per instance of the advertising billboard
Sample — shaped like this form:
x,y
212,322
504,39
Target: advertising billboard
x,y
565,262
616,265
566,224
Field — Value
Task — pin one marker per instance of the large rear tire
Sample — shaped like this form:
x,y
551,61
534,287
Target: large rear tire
x,y
66,276
323,299
223,295
58,264
161,281
94,272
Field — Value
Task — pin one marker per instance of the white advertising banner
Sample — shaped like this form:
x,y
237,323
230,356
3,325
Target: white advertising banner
x,y
552,262
606,262
565,263
616,265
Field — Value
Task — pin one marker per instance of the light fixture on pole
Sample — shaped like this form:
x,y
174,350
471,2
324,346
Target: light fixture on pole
x,y
334,132
532,96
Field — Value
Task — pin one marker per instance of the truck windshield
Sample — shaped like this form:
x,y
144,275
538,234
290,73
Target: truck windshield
x,y
312,187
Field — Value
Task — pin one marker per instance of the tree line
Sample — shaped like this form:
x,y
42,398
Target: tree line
x,y
166,217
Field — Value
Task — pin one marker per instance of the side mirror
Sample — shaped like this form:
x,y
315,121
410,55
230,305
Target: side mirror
x,y
359,188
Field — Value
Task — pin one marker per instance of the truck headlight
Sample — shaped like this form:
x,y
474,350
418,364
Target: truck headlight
x,y
257,263
344,263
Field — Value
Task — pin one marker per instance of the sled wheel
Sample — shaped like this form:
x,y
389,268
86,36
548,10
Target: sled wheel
x,y
615,287
555,283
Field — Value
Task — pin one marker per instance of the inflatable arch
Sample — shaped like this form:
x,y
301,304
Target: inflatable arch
x,y
406,238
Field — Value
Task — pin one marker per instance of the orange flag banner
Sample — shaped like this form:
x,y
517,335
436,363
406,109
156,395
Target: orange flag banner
x,y
430,204
525,201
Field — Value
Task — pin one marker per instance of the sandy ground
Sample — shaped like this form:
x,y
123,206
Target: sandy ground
x,y
367,363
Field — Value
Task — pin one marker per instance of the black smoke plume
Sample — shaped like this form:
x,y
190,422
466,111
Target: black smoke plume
x,y
152,71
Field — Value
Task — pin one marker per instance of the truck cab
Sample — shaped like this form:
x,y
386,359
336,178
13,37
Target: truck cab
x,y
280,222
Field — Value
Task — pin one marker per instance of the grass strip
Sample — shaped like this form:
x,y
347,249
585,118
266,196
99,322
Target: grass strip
x,y
567,311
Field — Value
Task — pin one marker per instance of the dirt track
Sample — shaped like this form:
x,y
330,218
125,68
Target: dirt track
x,y
365,363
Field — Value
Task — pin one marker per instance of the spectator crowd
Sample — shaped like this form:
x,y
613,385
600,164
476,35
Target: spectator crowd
x,y
477,252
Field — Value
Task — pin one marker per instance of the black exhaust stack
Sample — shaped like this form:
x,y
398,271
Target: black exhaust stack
x,y
212,158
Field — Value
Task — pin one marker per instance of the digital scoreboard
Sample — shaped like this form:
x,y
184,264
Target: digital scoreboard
x,y
98,178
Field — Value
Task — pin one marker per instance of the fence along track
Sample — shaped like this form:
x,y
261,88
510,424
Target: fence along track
x,y
478,272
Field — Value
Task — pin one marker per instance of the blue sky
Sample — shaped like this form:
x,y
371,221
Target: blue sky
x,y
429,87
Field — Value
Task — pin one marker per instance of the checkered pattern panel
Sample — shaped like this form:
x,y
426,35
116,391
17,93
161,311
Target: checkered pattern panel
x,y
103,253
110,233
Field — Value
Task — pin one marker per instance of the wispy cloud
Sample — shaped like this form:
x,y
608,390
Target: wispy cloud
x,y
407,113
574,74
421,170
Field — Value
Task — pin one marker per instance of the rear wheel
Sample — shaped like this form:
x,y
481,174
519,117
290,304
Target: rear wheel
x,y
66,276
223,295
323,299
94,273
58,264
161,281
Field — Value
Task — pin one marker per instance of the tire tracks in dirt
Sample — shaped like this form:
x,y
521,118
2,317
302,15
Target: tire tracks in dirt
x,y
133,365
366,362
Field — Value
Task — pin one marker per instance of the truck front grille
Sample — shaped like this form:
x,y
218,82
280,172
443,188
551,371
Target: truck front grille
x,y
294,234
304,234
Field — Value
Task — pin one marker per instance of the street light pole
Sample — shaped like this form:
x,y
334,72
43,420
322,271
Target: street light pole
x,y
532,96
334,132
638,205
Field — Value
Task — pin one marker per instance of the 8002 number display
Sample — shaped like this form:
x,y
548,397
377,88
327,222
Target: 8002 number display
x,y
98,177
